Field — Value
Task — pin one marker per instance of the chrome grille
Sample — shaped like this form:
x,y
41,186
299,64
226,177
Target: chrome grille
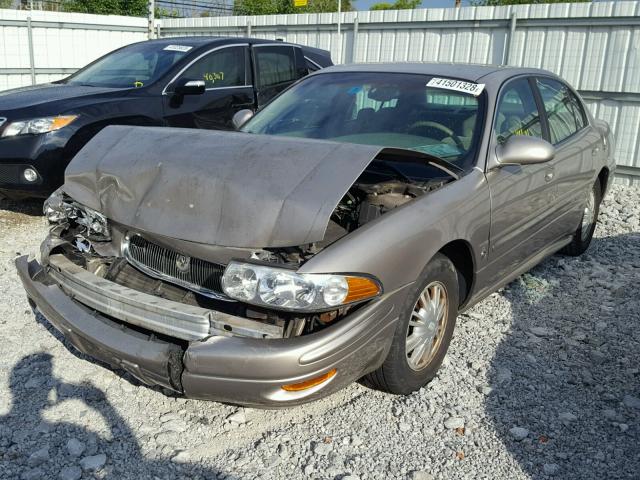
x,y
194,274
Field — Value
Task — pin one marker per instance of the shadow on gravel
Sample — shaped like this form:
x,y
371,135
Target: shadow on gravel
x,y
29,206
567,375
34,448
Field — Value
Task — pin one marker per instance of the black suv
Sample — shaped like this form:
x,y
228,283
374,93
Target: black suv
x,y
193,82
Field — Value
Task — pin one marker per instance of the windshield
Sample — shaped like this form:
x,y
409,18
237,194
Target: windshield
x,y
133,66
387,109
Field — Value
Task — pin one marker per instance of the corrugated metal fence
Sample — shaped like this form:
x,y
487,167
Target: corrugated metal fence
x,y
595,46
38,46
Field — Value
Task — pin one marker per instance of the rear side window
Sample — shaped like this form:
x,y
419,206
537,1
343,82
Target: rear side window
x,y
517,113
564,111
222,68
275,65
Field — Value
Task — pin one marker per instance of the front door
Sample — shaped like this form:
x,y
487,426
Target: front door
x,y
228,88
522,197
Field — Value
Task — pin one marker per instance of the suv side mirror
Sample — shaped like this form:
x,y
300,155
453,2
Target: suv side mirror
x,y
189,87
524,150
241,117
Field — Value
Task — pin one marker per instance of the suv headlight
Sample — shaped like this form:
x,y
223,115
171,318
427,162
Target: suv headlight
x,y
38,125
285,289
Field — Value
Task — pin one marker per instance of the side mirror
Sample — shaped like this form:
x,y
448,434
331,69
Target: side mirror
x,y
241,117
189,87
524,150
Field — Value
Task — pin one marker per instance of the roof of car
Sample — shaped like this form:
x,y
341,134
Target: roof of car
x,y
466,71
205,40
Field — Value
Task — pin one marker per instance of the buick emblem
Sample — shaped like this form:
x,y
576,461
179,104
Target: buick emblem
x,y
183,263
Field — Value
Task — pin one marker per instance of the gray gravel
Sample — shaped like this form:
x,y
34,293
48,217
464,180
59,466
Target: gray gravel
x,y
542,380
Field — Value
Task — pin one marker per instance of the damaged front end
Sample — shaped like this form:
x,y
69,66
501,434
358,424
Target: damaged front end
x,y
200,316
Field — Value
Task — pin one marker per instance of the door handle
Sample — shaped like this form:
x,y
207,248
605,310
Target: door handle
x,y
595,151
548,176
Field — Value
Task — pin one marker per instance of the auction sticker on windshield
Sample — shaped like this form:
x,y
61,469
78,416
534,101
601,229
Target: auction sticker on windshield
x,y
177,48
457,85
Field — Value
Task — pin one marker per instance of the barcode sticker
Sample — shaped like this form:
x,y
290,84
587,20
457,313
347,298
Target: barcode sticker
x,y
474,89
178,48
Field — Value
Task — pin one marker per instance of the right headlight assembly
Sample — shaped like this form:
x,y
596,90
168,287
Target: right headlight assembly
x,y
285,289
59,209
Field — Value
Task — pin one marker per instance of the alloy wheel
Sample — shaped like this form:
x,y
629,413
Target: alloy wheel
x,y
427,325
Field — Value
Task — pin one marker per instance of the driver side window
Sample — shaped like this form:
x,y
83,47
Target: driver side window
x,y
517,113
222,68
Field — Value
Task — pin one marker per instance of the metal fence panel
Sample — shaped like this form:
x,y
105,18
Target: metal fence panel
x,y
58,43
595,45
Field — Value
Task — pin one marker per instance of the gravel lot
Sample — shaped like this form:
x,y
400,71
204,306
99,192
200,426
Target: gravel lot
x,y
542,379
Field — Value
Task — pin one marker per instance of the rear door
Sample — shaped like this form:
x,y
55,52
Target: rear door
x,y
276,67
577,146
226,72
522,197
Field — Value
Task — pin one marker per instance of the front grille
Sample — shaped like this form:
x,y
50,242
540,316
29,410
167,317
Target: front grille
x,y
10,174
192,273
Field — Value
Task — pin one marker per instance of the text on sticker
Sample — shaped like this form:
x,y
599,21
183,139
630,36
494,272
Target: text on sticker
x,y
177,48
457,85
213,77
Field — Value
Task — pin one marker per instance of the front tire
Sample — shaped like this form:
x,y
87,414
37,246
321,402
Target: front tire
x,y
424,331
583,235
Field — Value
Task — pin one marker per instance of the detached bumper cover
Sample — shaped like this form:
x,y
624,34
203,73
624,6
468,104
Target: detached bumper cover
x,y
247,371
152,361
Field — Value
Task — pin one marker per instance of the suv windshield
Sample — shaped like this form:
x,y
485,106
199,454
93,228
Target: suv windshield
x,y
133,66
387,109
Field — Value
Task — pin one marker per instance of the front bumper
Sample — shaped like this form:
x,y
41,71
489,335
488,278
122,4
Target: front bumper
x,y
240,370
48,154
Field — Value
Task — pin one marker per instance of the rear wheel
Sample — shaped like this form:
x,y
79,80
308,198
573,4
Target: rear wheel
x,y
583,235
423,332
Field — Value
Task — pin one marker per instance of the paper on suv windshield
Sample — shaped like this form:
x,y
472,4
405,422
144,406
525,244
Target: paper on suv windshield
x,y
474,89
177,48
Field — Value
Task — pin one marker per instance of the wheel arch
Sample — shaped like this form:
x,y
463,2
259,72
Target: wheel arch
x,y
603,178
90,129
460,253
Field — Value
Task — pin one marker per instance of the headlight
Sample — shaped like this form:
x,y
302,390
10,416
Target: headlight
x,y
55,208
288,290
58,208
38,125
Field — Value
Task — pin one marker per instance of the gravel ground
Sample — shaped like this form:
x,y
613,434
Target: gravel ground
x,y
542,379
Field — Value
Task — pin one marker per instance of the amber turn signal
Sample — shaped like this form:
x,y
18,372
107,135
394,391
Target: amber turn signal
x,y
361,288
62,121
307,384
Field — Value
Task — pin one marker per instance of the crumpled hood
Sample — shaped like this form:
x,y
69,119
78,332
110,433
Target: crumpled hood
x,y
219,188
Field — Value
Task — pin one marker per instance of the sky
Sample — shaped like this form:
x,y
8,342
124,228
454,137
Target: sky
x,y
365,4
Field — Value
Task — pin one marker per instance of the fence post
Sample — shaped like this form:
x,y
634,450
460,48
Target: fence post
x,y
354,43
248,28
32,63
512,31
151,18
158,31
